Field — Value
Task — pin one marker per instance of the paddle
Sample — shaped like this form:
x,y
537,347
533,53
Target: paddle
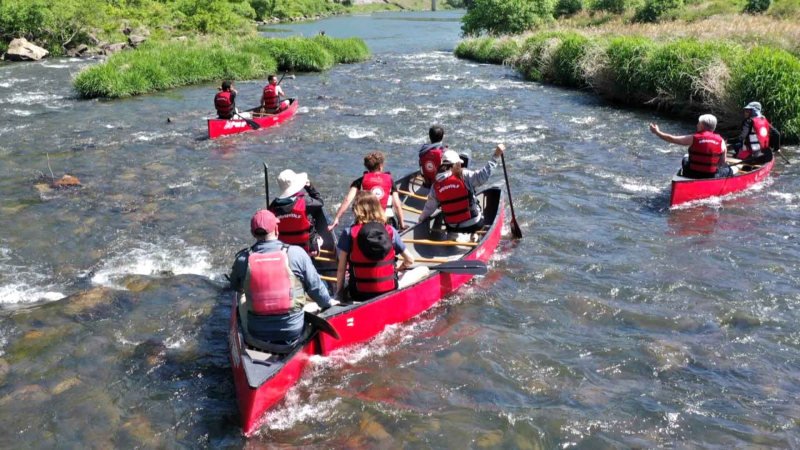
x,y
784,158
515,230
322,325
266,183
251,123
463,267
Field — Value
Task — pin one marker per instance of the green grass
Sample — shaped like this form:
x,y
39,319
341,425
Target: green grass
x,y
684,75
157,66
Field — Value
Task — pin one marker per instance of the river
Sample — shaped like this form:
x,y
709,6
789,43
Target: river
x,y
616,322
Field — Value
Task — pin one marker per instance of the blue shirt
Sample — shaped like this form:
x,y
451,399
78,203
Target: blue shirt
x,y
346,241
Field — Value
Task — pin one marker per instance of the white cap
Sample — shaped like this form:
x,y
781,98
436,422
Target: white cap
x,y
291,183
450,157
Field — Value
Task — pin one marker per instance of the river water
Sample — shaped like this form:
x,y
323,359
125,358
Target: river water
x,y
615,322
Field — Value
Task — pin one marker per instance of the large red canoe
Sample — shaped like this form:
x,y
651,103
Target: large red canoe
x,y
690,189
222,127
262,379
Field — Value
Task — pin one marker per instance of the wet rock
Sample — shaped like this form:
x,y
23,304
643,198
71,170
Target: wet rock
x,y
135,40
22,50
492,439
43,188
740,319
454,360
35,334
137,283
373,429
65,385
13,209
78,51
67,181
77,303
170,119
524,443
32,393
154,353
667,356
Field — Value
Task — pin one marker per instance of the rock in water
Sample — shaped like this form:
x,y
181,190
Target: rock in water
x,y
78,51
67,181
22,50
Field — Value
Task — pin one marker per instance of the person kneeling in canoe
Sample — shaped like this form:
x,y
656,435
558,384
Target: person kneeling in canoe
x,y
369,248
430,156
379,183
454,190
272,280
296,211
271,99
754,139
707,149
225,101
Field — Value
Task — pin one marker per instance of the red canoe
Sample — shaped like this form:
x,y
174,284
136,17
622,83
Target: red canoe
x,y
222,127
262,379
690,189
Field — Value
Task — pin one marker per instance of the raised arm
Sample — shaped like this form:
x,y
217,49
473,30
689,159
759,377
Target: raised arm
x,y
672,139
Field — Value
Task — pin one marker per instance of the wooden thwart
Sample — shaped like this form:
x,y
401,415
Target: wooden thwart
x,y
411,194
324,259
328,278
442,243
414,210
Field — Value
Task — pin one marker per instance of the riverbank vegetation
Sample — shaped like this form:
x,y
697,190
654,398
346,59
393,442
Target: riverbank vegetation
x,y
157,66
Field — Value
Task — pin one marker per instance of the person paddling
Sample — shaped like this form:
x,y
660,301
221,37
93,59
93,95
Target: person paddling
x,y
296,211
379,183
430,155
454,189
272,280
707,149
271,98
225,101
754,139
367,251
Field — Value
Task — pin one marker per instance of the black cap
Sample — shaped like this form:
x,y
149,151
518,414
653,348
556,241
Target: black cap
x,y
226,85
374,241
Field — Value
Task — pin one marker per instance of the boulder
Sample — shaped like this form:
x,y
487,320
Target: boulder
x,y
67,181
92,39
78,51
110,49
22,50
136,40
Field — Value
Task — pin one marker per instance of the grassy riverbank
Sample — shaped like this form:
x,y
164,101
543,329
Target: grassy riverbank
x,y
658,66
157,66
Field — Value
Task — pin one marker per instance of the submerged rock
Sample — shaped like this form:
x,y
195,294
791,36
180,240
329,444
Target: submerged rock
x,y
32,393
373,429
77,303
740,319
492,439
22,50
142,430
65,385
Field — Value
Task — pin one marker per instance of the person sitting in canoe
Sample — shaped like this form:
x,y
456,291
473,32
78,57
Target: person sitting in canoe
x,y
271,99
272,280
369,248
430,155
707,149
379,183
225,101
296,210
454,189
754,139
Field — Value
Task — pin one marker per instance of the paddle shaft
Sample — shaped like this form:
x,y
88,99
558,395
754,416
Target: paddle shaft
x,y
411,194
266,182
515,230
442,243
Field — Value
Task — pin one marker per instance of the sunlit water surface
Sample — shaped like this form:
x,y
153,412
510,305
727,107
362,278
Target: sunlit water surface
x,y
614,323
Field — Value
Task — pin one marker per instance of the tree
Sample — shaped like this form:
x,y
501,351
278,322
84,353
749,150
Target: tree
x,y
506,16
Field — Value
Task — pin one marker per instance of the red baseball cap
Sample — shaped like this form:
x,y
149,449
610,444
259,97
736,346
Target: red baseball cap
x,y
265,220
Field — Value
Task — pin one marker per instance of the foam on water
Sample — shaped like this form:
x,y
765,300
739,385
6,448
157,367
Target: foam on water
x,y
21,112
20,284
143,258
356,133
31,98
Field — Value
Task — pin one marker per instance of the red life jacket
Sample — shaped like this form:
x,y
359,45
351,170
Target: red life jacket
x,y
379,184
758,139
224,105
429,164
705,153
270,97
456,200
270,284
371,277
294,227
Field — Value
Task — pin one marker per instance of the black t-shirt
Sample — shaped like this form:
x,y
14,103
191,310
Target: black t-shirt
x,y
357,184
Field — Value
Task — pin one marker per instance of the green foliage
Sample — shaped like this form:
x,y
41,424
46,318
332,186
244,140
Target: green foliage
x,y
757,6
53,24
627,59
772,77
653,10
614,6
566,8
344,51
506,16
566,61
286,9
163,65
488,49
785,9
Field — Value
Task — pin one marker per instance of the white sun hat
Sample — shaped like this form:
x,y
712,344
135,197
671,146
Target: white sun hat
x,y
291,183
451,157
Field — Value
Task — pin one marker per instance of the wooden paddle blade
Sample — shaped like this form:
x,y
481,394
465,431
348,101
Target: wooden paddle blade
x,y
322,325
515,230
463,267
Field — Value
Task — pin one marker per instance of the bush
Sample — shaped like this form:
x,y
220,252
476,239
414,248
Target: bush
x,y
785,9
506,16
653,10
757,6
344,51
614,6
627,59
566,61
772,77
156,66
566,8
53,24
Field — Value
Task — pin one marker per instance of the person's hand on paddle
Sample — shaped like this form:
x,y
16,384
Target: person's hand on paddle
x,y
499,150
